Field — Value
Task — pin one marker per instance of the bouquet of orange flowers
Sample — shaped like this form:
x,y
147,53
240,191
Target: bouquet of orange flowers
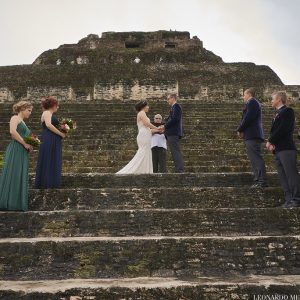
x,y
32,140
65,125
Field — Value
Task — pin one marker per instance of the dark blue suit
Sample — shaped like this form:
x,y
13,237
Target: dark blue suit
x,y
281,136
174,122
173,132
251,124
251,127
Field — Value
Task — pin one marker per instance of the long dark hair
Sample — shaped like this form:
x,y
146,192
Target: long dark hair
x,y
140,105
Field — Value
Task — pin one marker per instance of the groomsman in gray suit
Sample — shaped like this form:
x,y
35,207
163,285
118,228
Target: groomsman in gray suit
x,y
251,131
174,131
282,144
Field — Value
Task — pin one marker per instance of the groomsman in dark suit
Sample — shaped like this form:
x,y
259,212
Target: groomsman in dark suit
x,y
174,131
251,130
282,144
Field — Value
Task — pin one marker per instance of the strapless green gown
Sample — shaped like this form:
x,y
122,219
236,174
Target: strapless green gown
x,y
14,177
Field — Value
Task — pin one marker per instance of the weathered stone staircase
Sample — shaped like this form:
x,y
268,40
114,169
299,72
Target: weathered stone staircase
x,y
200,235
106,136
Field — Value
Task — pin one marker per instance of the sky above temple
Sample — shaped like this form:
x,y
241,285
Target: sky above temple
x,y
266,32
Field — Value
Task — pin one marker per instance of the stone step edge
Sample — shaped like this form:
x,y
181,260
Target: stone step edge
x,y
159,188
55,286
91,174
139,238
132,210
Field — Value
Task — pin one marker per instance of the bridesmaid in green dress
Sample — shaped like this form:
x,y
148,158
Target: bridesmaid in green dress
x,y
14,178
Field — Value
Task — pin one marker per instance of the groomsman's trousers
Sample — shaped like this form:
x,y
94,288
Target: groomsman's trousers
x,y
174,146
286,162
159,159
253,148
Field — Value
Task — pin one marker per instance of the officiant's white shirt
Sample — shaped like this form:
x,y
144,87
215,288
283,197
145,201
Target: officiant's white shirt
x,y
158,140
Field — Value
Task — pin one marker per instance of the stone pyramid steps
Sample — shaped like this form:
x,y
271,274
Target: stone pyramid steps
x,y
168,288
183,180
112,139
132,256
151,222
153,198
203,235
206,125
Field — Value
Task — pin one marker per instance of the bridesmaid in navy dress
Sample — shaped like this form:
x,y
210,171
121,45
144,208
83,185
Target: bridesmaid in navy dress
x,y
48,171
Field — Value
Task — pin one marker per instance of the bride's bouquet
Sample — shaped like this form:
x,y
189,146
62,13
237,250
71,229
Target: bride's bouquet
x,y
66,125
32,140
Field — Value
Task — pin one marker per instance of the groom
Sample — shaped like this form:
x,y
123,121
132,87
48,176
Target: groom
x,y
174,132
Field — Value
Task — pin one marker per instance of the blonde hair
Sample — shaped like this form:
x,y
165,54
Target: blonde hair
x,y
21,105
282,95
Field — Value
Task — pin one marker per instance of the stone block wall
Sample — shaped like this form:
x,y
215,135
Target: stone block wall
x,y
145,40
233,93
61,93
6,95
293,92
149,90
135,90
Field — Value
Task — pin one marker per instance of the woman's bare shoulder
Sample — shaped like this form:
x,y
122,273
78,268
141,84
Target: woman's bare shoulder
x,y
46,113
15,118
141,113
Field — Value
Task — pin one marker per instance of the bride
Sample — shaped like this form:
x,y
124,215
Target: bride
x,y
142,161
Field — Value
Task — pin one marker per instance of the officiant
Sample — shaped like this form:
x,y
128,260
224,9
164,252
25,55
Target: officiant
x,y
159,148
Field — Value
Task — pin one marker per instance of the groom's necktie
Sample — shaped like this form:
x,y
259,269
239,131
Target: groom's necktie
x,y
277,111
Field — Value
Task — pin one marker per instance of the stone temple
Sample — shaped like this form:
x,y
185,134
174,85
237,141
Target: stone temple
x,y
199,235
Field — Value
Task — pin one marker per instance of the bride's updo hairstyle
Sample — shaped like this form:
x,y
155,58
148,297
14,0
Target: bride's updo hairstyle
x,y
140,105
21,105
49,102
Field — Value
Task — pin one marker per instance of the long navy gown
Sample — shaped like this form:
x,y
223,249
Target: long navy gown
x,y
48,170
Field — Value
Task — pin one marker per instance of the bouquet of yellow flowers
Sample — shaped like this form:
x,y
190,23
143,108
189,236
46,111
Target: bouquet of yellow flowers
x,y
32,140
1,161
65,125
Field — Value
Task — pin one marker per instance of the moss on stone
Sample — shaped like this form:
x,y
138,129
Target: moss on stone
x,y
1,162
138,268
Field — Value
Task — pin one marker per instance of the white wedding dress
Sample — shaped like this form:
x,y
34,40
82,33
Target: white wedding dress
x,y
142,161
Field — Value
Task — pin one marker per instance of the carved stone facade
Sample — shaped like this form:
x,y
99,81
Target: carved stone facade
x,y
61,93
142,40
6,95
148,90
134,91
82,60
293,92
